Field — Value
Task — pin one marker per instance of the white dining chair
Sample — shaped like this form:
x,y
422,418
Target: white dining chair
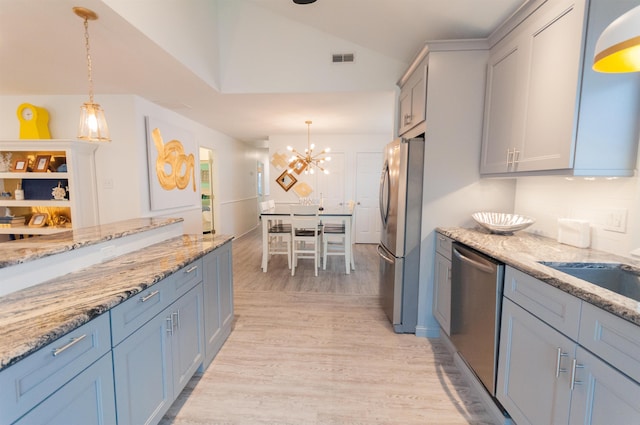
x,y
334,242
306,235
279,236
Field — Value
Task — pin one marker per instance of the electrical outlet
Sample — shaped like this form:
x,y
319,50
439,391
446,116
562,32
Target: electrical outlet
x,y
107,183
616,220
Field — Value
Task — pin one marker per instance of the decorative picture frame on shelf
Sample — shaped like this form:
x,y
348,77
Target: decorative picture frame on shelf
x,y
20,165
41,164
286,180
38,220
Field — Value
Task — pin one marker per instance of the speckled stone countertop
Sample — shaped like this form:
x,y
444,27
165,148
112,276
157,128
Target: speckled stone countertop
x,y
524,250
24,250
33,317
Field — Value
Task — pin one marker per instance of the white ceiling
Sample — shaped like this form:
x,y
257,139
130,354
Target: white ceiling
x,y
41,52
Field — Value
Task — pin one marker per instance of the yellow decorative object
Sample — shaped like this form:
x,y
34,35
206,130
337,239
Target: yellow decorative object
x,y
34,122
279,160
303,190
172,155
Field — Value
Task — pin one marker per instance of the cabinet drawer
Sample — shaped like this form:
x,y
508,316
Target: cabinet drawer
x,y
139,309
88,400
186,278
611,338
443,245
28,382
555,307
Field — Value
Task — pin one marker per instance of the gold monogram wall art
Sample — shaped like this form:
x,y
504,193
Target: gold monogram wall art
x,y
171,156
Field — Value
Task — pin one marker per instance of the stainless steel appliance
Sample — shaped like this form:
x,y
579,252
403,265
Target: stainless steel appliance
x,y
476,304
399,248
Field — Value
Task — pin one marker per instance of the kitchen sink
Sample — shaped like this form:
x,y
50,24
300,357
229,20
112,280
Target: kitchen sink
x,y
619,278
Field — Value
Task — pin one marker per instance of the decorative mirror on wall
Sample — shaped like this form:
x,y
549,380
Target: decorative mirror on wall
x,y
286,180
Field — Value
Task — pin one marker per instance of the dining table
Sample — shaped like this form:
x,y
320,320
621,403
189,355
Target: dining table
x,y
282,212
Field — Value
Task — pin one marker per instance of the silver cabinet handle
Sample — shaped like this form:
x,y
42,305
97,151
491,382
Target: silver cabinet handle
x,y
71,343
170,324
559,357
574,366
149,296
191,269
407,119
516,156
449,274
175,319
509,157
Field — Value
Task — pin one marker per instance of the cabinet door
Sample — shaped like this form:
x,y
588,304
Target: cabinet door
x,y
212,321
534,361
553,41
404,122
86,400
502,108
226,287
602,395
442,293
187,337
143,372
218,299
413,99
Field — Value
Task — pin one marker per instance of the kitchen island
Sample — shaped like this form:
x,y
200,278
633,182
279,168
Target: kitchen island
x,y
186,278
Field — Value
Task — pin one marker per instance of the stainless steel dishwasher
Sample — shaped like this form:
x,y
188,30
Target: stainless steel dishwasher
x,y
476,303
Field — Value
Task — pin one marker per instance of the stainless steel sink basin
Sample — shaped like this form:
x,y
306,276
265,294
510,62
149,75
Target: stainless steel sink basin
x,y
618,278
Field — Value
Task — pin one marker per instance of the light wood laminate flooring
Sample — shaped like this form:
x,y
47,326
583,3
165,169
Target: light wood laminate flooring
x,y
319,350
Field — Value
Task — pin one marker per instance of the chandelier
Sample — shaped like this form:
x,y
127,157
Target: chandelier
x,y
93,124
307,161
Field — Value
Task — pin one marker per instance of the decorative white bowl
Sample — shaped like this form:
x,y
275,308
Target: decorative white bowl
x,y
502,223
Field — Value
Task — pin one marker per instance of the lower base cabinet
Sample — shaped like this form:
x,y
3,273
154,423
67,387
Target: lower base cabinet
x,y
155,363
86,400
546,378
217,276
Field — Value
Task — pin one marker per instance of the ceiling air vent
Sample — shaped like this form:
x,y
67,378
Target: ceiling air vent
x,y
342,57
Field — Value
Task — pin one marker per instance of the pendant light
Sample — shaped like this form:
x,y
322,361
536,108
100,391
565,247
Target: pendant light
x,y
308,161
618,48
93,125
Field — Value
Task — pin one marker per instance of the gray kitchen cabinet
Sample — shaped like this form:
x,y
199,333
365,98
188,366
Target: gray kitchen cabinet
x,y
86,400
63,363
442,283
545,375
218,299
413,98
528,386
546,111
154,363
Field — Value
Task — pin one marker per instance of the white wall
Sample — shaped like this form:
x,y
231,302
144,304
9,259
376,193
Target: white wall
x,y
347,145
121,165
547,199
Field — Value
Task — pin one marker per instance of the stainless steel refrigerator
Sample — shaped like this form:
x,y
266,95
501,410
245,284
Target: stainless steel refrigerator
x,y
399,247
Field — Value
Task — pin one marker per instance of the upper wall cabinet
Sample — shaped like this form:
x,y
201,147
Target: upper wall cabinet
x,y
546,111
413,98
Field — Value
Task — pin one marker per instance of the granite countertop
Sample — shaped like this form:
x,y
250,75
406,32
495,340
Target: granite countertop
x,y
24,250
524,250
33,317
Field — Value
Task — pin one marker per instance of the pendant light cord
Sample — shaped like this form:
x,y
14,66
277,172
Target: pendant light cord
x,y
86,43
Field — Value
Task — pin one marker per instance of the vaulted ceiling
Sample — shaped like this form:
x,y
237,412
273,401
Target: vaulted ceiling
x,y
247,68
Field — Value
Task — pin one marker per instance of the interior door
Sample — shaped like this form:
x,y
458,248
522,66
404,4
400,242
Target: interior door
x,y
367,221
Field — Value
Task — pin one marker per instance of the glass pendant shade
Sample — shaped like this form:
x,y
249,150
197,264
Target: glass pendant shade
x,y
93,125
618,48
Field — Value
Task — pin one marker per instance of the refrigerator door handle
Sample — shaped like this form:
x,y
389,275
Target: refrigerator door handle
x,y
382,252
384,190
